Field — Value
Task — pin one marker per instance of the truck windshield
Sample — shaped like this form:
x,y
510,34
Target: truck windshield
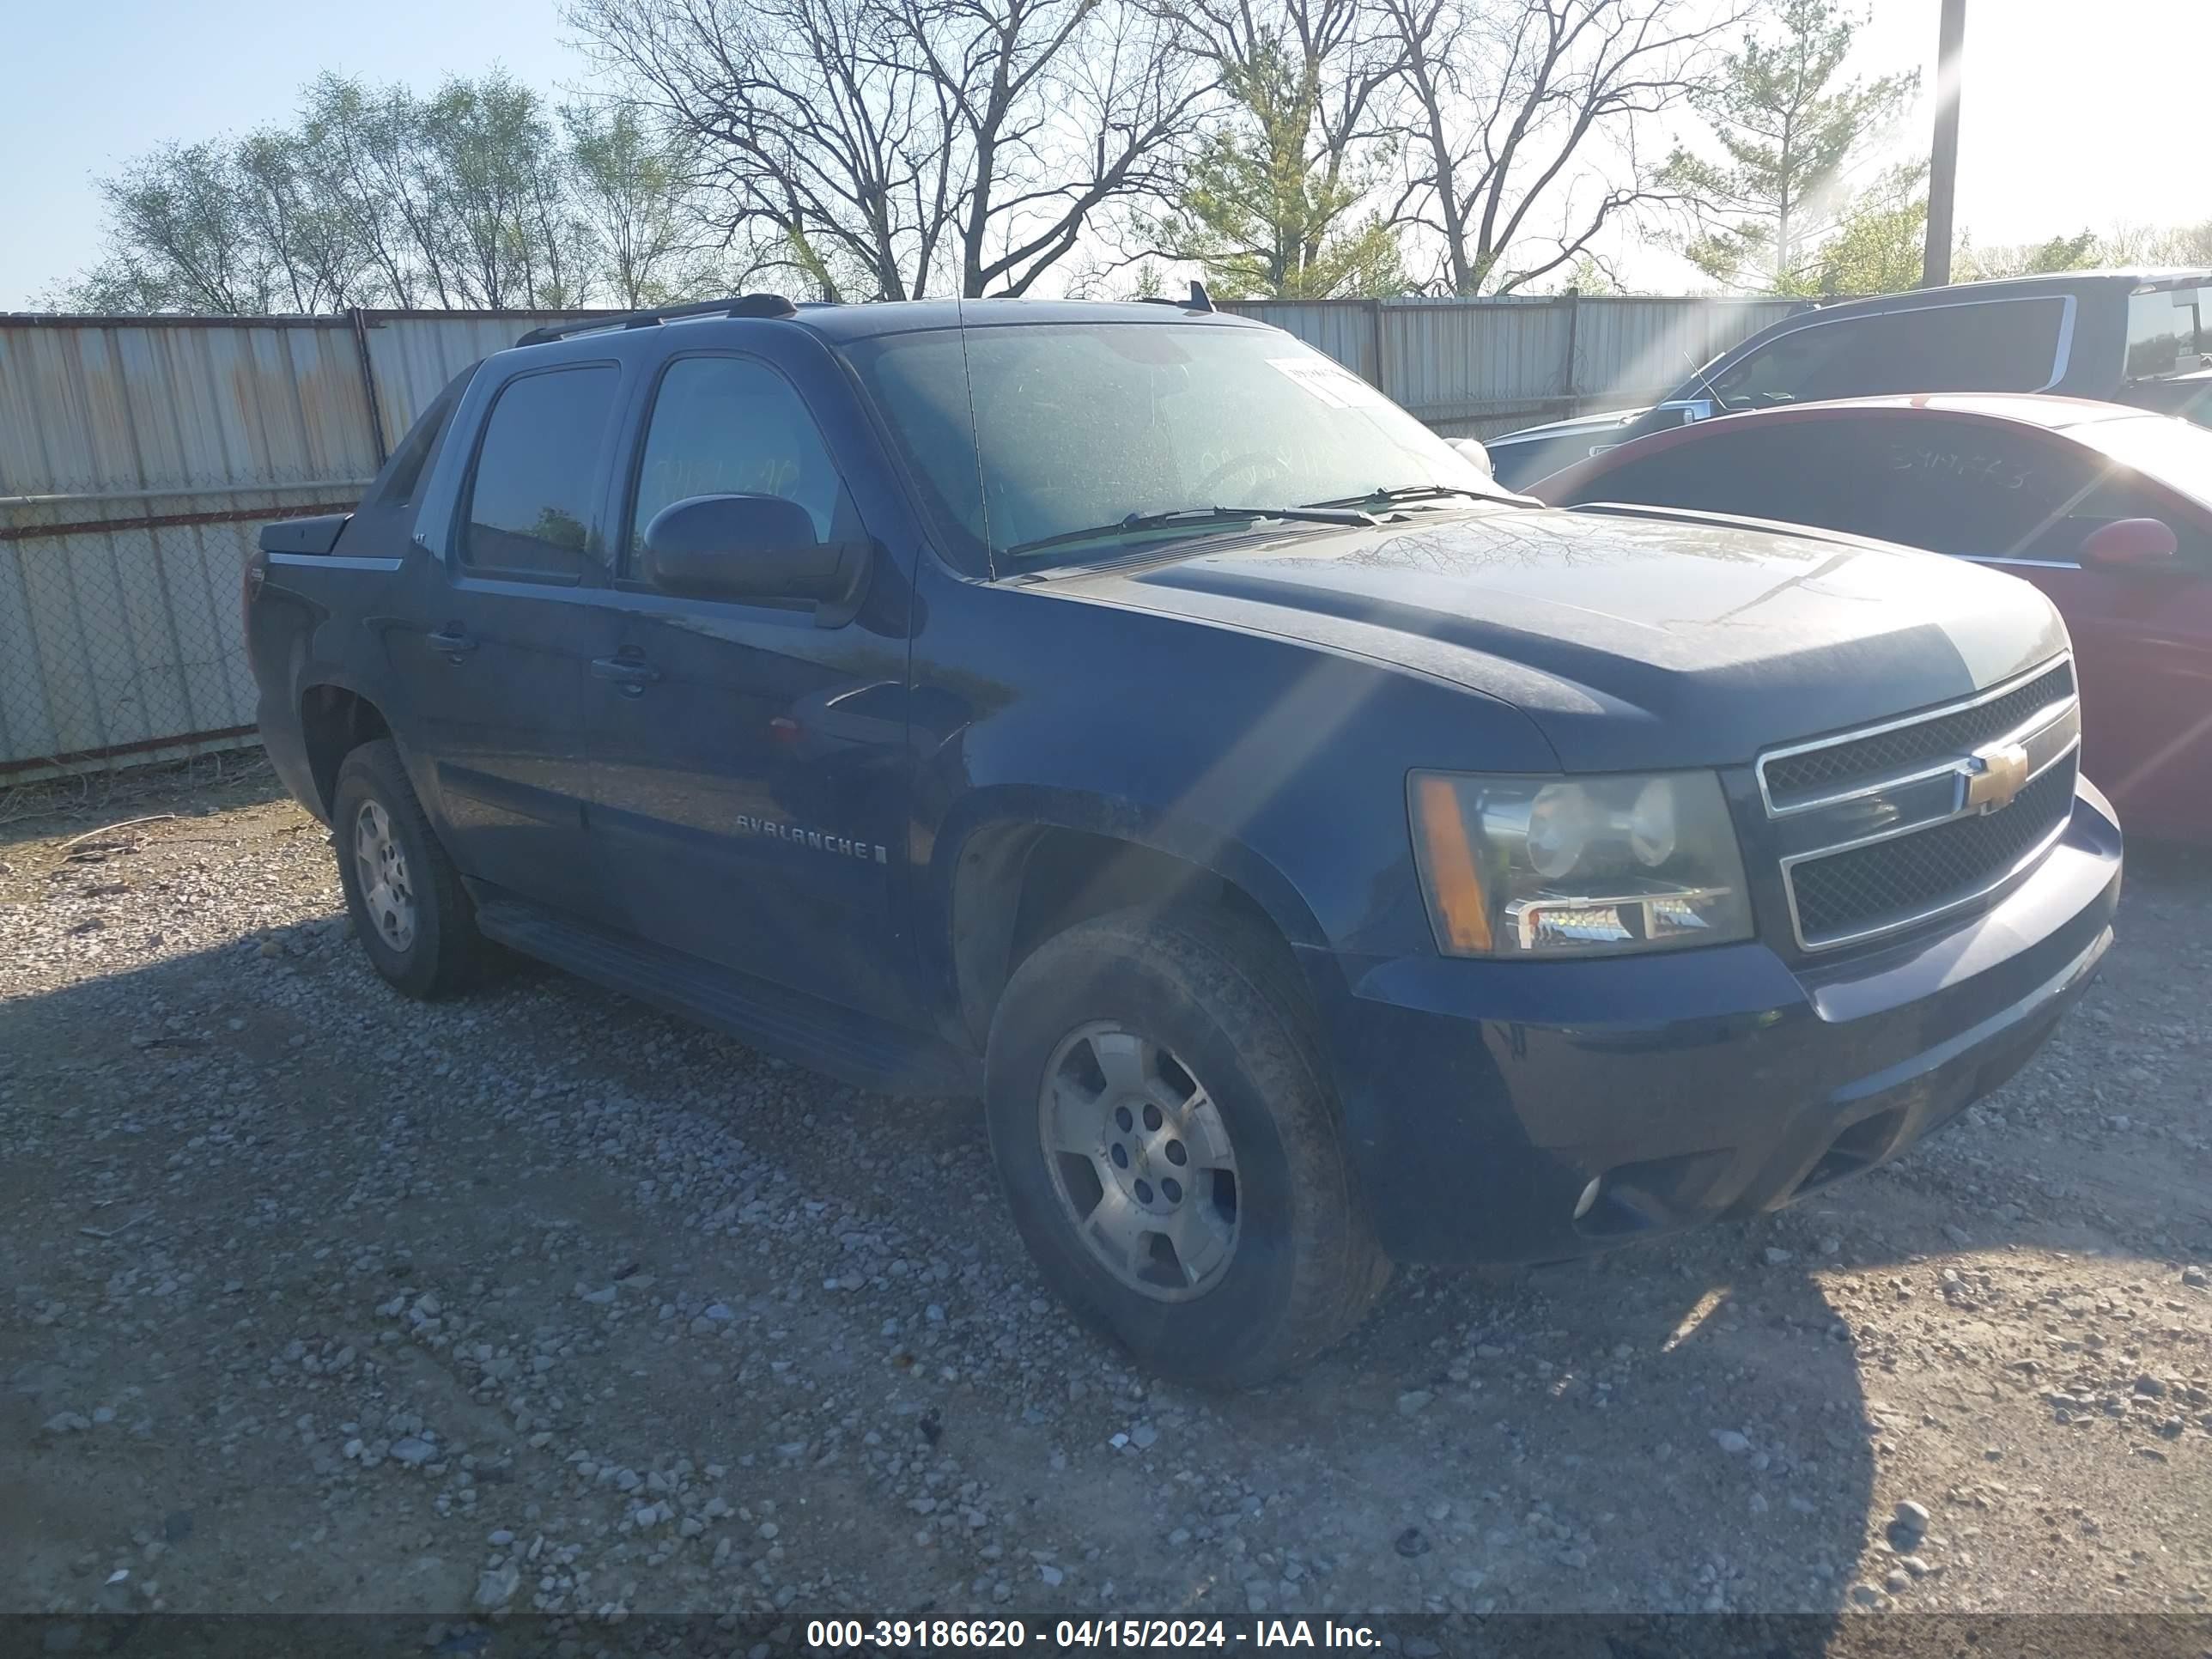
x,y
1032,434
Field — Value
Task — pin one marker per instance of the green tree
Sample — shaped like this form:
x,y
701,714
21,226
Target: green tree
x,y
1789,135
1271,204
177,240
1969,263
472,197
513,242
629,183
1521,119
1262,215
1878,247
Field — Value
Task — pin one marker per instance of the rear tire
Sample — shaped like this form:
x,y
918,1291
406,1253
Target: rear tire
x,y
409,909
1161,1122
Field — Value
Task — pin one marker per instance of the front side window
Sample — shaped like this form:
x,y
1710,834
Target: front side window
x,y
1020,435
529,507
1991,345
733,426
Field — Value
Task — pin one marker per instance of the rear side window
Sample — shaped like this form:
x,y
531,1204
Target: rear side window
x,y
1792,472
531,503
2017,492
1991,345
1983,490
2169,332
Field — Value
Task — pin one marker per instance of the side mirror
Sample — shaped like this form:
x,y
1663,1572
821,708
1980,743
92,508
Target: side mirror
x,y
1475,454
2131,544
748,548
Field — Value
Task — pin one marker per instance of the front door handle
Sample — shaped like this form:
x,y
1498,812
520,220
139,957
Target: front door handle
x,y
629,674
453,641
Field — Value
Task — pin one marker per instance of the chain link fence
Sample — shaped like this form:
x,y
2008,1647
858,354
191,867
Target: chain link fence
x,y
139,458
121,630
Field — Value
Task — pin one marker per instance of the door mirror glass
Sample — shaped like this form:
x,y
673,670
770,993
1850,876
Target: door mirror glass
x,y
2131,543
746,547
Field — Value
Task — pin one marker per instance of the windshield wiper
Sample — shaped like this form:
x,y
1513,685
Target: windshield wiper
x,y
1319,512
1417,492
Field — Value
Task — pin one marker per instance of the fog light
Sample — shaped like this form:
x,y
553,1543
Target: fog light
x,y
1589,1198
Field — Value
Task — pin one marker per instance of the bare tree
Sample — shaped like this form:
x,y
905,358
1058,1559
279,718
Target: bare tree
x,y
365,145
1521,140
1064,107
629,181
890,149
509,239
310,238
807,127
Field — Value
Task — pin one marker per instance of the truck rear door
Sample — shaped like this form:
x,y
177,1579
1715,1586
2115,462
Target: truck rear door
x,y
490,651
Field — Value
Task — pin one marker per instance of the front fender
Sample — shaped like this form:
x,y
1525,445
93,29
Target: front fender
x,y
1277,764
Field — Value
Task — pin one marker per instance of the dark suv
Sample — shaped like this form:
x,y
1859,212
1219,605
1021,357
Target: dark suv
x,y
1315,859
2132,337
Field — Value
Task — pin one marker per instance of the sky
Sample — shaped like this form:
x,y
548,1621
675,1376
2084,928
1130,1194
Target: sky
x,y
2076,115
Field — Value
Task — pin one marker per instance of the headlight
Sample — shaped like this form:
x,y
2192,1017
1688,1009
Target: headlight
x,y
1577,866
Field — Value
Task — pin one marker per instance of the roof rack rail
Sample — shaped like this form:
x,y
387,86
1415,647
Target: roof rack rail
x,y
1200,298
745,305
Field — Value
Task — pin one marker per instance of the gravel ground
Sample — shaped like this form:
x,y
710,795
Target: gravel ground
x,y
315,1298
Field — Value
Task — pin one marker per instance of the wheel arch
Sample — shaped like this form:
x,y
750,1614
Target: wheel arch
x,y
1014,876
334,720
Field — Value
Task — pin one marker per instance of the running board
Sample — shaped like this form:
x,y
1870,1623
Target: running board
x,y
857,1048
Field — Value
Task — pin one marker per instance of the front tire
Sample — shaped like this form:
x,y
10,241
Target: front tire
x,y
1161,1120
409,909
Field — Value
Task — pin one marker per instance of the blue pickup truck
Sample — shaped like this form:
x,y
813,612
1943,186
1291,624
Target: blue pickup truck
x,y
1315,856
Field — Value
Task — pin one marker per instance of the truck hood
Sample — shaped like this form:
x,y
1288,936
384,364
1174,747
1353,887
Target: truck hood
x,y
1631,640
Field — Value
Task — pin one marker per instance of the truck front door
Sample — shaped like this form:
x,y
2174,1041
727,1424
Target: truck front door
x,y
749,780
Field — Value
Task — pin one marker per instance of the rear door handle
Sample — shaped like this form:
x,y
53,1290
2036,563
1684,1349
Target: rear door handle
x,y
630,675
453,641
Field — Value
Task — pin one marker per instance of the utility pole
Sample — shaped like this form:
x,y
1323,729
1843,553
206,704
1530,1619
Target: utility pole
x,y
1943,159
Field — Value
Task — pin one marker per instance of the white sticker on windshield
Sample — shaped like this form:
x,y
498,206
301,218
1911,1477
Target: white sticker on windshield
x,y
1329,382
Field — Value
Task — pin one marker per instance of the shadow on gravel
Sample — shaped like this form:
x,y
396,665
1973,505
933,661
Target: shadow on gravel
x,y
1680,1427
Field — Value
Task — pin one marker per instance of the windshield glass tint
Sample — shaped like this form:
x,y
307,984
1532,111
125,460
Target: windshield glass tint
x,y
2166,331
1078,426
2174,452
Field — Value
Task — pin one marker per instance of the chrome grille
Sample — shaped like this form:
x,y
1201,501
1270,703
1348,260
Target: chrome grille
x,y
1811,774
1847,892
1883,828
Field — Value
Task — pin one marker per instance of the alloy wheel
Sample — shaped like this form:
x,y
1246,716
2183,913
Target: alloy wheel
x,y
1140,1160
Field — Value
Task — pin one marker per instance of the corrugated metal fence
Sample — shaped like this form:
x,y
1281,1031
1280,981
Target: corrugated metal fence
x,y
139,456
1473,369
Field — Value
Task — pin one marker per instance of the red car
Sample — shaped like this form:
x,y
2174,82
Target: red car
x,y
2107,510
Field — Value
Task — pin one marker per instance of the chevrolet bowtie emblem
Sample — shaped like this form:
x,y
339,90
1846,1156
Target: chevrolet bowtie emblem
x,y
1995,776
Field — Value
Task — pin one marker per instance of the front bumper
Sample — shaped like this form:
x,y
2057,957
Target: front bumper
x,y
1482,1099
